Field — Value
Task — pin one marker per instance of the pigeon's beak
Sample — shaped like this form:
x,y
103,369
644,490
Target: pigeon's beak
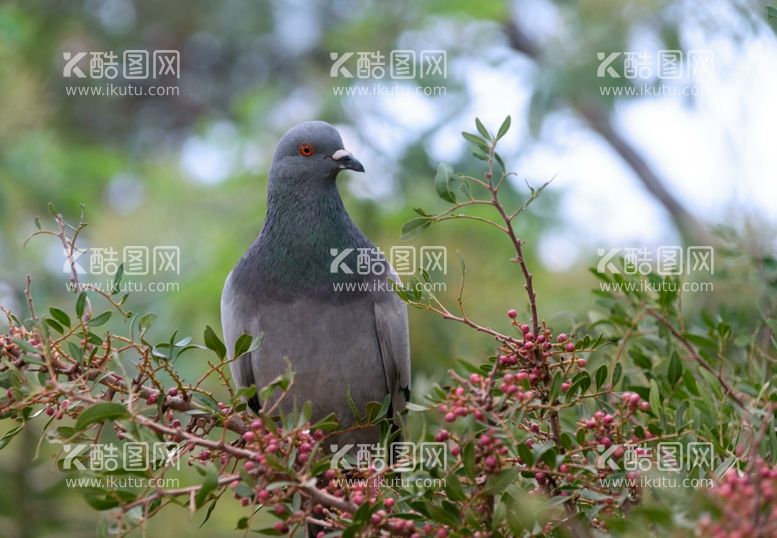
x,y
346,161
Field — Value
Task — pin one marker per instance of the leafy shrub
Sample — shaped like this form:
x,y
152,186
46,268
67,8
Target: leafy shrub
x,y
544,437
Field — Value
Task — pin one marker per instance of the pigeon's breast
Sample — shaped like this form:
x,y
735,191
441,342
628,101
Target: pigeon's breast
x,y
332,349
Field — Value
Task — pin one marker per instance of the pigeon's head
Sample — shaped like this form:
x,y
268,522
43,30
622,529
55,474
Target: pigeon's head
x,y
312,150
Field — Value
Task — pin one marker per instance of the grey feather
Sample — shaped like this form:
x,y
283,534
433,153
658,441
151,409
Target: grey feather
x,y
337,341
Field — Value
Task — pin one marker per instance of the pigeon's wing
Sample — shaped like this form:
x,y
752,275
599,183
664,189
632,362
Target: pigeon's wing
x,y
394,341
234,324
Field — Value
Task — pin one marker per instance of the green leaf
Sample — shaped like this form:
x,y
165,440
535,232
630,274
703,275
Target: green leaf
x,y
580,383
351,404
474,139
328,423
101,319
526,454
100,413
600,376
9,435
60,316
482,129
655,397
617,372
117,279
145,322
442,183
555,387
675,369
453,488
80,302
498,483
468,458
499,160
247,343
208,485
54,325
213,343
25,345
503,128
414,226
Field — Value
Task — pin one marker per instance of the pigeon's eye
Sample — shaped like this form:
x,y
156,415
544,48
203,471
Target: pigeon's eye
x,y
306,150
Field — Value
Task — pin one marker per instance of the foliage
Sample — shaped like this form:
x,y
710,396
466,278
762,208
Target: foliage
x,y
538,436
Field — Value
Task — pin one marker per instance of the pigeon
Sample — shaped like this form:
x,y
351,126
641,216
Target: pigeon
x,y
320,292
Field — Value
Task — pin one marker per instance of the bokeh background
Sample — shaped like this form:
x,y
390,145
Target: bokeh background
x,y
689,163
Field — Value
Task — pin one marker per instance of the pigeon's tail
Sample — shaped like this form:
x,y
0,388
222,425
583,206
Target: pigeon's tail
x,y
253,403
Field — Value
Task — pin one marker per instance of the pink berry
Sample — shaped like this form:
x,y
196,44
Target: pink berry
x,y
474,378
525,328
389,503
570,347
565,386
249,437
512,314
249,465
450,417
152,398
562,337
581,363
173,392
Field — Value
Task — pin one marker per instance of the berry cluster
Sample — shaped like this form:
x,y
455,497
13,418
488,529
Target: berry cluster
x,y
747,503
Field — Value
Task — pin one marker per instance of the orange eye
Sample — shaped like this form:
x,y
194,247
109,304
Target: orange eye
x,y
306,150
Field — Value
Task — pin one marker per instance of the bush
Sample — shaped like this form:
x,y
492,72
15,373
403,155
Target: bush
x,y
558,434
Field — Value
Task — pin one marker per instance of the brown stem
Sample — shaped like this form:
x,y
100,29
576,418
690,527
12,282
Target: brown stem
x,y
698,358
